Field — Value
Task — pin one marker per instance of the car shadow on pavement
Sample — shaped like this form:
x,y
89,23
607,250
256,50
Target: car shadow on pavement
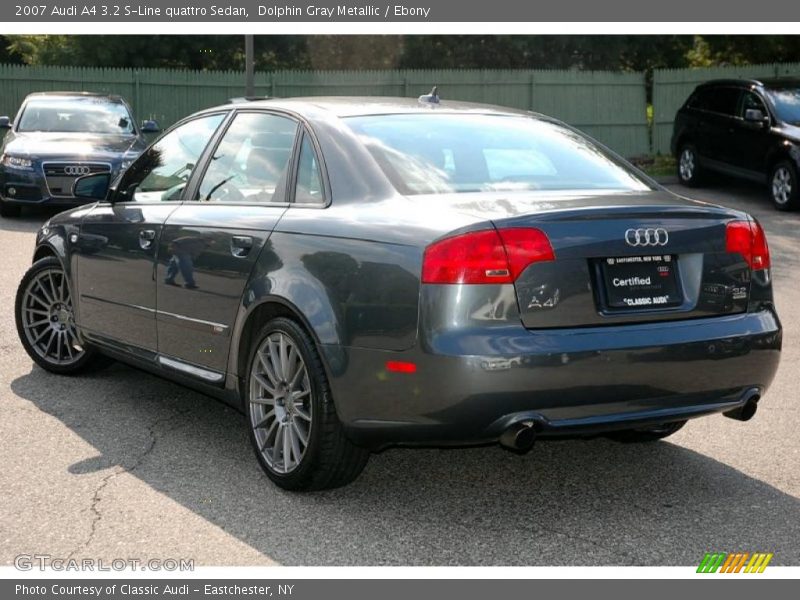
x,y
579,502
30,220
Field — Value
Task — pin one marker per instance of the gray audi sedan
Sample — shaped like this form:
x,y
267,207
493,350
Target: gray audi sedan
x,y
354,273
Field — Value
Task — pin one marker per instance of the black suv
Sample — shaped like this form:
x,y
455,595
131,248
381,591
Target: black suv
x,y
745,128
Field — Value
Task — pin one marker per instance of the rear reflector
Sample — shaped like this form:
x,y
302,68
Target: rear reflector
x,y
398,366
747,238
486,256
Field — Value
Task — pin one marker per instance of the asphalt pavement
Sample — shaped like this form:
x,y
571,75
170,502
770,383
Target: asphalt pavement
x,y
124,464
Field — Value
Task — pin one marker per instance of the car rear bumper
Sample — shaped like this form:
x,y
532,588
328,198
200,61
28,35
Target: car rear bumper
x,y
470,386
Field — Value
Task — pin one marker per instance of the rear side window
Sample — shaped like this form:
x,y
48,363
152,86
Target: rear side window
x,y
309,179
251,162
722,100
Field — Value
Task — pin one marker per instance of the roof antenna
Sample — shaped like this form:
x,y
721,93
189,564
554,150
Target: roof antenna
x,y
432,98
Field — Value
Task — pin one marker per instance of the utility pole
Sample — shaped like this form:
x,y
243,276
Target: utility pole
x,y
249,67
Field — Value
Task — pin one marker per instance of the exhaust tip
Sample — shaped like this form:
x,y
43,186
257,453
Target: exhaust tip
x,y
748,410
520,437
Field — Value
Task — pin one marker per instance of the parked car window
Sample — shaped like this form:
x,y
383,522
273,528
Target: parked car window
x,y
751,101
309,188
723,100
251,162
82,114
787,105
445,153
160,174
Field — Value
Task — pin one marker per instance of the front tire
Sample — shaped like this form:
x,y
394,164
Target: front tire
x,y
295,432
646,434
783,186
690,173
45,324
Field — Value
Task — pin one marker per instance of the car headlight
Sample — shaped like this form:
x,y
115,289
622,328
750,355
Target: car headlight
x,y
16,162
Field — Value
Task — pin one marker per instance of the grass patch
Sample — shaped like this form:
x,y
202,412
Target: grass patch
x,y
656,166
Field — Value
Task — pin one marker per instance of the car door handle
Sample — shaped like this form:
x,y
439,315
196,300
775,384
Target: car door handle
x,y
241,245
146,237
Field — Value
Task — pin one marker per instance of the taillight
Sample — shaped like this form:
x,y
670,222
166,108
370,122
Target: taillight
x,y
486,256
747,238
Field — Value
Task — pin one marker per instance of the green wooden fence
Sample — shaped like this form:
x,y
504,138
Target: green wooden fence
x,y
671,87
609,106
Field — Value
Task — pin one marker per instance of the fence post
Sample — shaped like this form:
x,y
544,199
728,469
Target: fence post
x,y
136,96
531,92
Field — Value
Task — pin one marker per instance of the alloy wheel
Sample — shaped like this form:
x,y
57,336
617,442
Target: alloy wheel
x,y
280,403
47,318
782,185
686,164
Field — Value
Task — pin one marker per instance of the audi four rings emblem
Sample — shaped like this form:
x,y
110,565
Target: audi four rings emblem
x,y
76,170
647,237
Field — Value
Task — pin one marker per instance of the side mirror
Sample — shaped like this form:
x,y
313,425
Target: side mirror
x,y
5,123
754,115
150,127
93,187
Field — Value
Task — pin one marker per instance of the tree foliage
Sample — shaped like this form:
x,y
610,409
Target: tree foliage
x,y
625,52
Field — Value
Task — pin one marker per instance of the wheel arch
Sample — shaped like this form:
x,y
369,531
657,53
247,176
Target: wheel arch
x,y
787,152
43,251
258,314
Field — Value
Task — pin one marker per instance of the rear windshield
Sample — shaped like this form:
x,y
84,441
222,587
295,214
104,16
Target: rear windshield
x,y
787,104
446,153
76,115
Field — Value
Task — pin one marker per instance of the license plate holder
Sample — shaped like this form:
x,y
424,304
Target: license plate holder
x,y
641,282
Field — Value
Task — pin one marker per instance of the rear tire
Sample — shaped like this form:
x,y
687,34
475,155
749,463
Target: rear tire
x,y
45,325
690,173
9,210
295,432
646,434
783,186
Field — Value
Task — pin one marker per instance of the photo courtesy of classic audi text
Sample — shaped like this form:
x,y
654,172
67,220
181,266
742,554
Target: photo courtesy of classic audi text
x,y
430,298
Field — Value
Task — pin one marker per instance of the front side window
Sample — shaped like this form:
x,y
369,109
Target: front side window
x,y
751,102
787,104
446,153
161,173
85,114
251,162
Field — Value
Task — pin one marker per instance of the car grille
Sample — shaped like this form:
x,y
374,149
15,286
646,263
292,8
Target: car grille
x,y
60,176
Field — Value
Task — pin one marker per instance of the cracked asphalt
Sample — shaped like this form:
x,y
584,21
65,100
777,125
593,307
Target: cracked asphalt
x,y
124,464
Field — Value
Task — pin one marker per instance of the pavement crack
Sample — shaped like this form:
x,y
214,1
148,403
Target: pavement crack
x,y
94,506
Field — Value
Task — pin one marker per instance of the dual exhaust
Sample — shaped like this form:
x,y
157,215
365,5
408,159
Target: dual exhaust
x,y
521,436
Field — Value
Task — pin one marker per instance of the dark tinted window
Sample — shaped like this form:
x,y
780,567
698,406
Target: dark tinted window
x,y
439,153
722,100
751,101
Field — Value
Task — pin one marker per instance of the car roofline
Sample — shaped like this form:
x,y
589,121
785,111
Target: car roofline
x,y
357,106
